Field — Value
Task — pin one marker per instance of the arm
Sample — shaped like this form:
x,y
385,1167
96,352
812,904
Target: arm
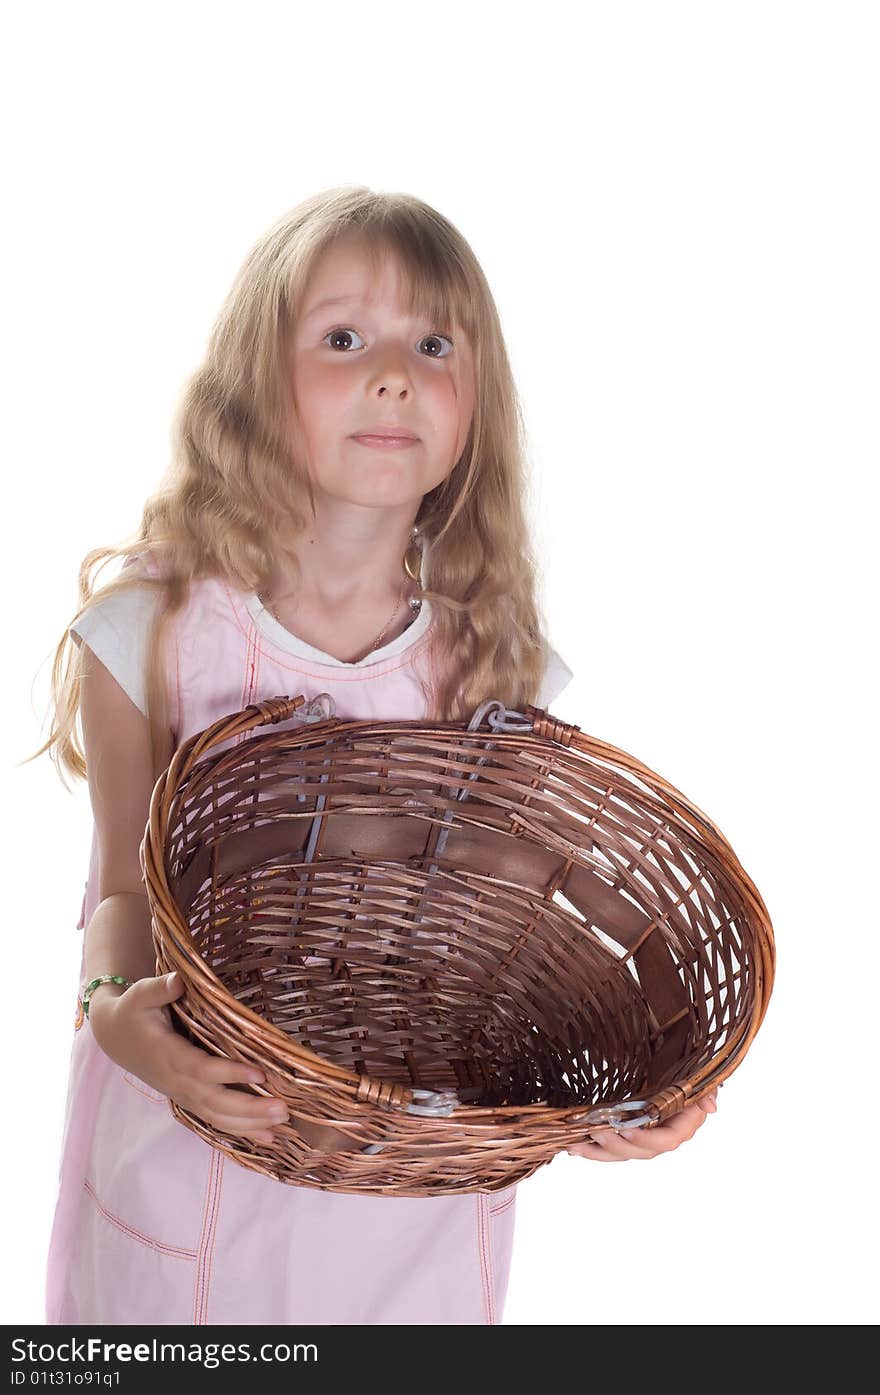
x,y
133,1026
118,935
116,738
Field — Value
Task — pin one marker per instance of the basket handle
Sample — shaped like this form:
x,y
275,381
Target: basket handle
x,y
275,709
279,708
627,1114
501,718
324,1138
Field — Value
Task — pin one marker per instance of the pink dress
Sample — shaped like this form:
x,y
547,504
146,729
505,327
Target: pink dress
x,y
152,1224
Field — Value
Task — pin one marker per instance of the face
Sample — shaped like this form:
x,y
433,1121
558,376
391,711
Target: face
x,y
363,363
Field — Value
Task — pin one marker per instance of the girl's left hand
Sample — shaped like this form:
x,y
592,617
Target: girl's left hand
x,y
611,1145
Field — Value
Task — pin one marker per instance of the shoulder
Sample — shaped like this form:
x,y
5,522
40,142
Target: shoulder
x,y
128,611
208,632
116,626
123,614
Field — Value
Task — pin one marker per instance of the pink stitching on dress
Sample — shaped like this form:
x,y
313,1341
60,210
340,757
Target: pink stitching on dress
x,y
360,675
505,1206
251,677
485,1258
203,1226
258,664
214,1234
250,664
137,1084
174,1251
209,1221
247,681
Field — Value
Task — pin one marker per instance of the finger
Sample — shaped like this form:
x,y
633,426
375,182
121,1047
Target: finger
x,y
259,1126
219,1071
662,1138
642,1142
590,1150
231,1104
239,1129
645,1141
687,1121
612,1143
156,992
195,1063
650,1143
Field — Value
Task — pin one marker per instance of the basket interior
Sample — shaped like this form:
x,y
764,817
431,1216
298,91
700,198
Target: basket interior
x,y
438,982
516,923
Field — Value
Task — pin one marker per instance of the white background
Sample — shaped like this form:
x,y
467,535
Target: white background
x,y
675,205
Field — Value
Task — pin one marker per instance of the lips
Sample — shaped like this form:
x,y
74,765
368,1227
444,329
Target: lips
x,y
390,433
386,443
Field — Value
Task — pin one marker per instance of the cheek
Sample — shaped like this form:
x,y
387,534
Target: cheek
x,y
449,407
318,392
314,378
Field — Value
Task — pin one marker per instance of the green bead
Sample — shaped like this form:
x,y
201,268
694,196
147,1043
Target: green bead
x,y
95,983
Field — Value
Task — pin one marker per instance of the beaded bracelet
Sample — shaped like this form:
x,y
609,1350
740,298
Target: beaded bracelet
x,y
105,978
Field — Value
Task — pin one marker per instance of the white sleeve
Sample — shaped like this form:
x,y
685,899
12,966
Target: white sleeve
x,y
117,630
557,676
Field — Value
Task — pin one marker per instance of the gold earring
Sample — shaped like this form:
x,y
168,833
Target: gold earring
x,y
413,566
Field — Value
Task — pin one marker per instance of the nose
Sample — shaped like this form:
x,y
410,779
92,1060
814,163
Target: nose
x,y
391,377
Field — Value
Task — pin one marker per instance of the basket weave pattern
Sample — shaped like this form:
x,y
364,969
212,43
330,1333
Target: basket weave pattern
x,y
454,949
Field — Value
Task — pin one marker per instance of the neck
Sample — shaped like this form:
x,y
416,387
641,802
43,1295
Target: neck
x,y
352,563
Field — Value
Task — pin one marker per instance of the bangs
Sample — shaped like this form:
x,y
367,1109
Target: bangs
x,y
434,283
432,288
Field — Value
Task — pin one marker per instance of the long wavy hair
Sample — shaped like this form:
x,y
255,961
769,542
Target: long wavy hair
x,y
234,449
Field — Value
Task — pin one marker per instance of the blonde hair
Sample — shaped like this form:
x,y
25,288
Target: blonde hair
x,y
234,447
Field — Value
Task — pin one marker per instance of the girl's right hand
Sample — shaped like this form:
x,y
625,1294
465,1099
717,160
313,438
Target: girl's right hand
x,y
135,1029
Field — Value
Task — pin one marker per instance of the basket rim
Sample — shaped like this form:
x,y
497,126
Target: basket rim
x,y
192,758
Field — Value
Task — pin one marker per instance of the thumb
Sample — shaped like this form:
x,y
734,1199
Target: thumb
x,y
166,988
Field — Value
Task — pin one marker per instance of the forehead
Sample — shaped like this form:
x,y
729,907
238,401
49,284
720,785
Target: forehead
x,y
352,267
354,272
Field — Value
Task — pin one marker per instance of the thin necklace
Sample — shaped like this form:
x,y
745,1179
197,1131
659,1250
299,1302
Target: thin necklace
x,y
414,603
263,598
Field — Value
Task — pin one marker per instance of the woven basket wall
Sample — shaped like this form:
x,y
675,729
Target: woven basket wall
x,y
455,949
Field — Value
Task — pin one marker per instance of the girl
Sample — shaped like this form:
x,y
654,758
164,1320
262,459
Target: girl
x,y
343,513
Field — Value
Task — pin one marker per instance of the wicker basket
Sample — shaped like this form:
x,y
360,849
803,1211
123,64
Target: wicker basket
x,y
454,949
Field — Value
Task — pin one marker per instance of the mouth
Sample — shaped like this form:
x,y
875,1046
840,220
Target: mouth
x,y
385,440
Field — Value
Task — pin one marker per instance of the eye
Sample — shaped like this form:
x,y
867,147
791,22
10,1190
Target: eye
x,y
343,332
435,338
340,334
